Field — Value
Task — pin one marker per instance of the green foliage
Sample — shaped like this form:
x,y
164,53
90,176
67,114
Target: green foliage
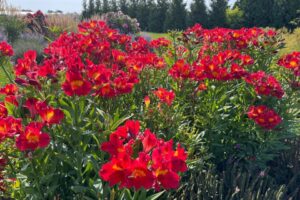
x,y
176,16
231,184
217,15
29,42
199,13
13,26
235,17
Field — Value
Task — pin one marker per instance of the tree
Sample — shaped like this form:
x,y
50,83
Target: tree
x,y
133,8
157,16
235,17
91,8
217,14
123,5
105,6
98,7
142,13
114,5
198,13
176,16
84,13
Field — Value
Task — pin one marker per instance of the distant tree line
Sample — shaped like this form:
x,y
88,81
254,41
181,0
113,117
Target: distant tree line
x,y
163,15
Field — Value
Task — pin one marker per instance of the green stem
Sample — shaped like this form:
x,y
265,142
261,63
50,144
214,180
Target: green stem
x,y
6,73
36,178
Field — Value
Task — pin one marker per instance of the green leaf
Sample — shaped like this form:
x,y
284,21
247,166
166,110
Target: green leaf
x,y
155,196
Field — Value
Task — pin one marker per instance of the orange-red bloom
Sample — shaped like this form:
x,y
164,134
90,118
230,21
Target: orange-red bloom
x,y
75,84
165,95
51,115
32,138
264,116
6,49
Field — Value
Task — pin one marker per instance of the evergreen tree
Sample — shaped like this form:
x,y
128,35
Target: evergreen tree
x,y
176,16
114,5
105,6
142,13
84,14
157,16
133,8
217,15
198,13
98,7
123,5
91,8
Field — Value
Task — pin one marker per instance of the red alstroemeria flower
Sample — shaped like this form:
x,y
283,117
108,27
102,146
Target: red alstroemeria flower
x,y
165,96
12,100
140,176
3,110
51,115
264,116
180,70
6,49
117,170
9,127
166,178
76,85
9,89
149,141
32,138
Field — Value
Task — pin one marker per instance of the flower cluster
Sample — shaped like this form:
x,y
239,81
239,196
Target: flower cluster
x,y
264,116
5,49
92,60
165,96
292,62
229,38
265,84
154,165
31,136
160,42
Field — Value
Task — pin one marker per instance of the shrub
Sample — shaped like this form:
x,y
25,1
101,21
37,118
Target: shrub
x,y
13,26
120,22
27,42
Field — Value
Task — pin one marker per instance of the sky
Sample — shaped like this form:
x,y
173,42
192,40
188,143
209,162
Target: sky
x,y
45,5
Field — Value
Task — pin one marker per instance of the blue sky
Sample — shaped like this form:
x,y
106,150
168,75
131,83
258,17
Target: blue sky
x,y
44,5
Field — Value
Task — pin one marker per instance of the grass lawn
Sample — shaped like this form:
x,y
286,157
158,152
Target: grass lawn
x,y
292,42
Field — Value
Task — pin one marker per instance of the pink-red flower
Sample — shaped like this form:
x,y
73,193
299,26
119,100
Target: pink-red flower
x,y
75,84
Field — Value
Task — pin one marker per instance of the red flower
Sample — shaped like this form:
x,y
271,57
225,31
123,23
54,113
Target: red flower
x,y
6,49
51,115
32,138
9,89
165,96
117,170
292,62
12,100
3,110
140,175
9,127
26,64
149,141
264,116
34,106
76,85
265,84
160,42
180,70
